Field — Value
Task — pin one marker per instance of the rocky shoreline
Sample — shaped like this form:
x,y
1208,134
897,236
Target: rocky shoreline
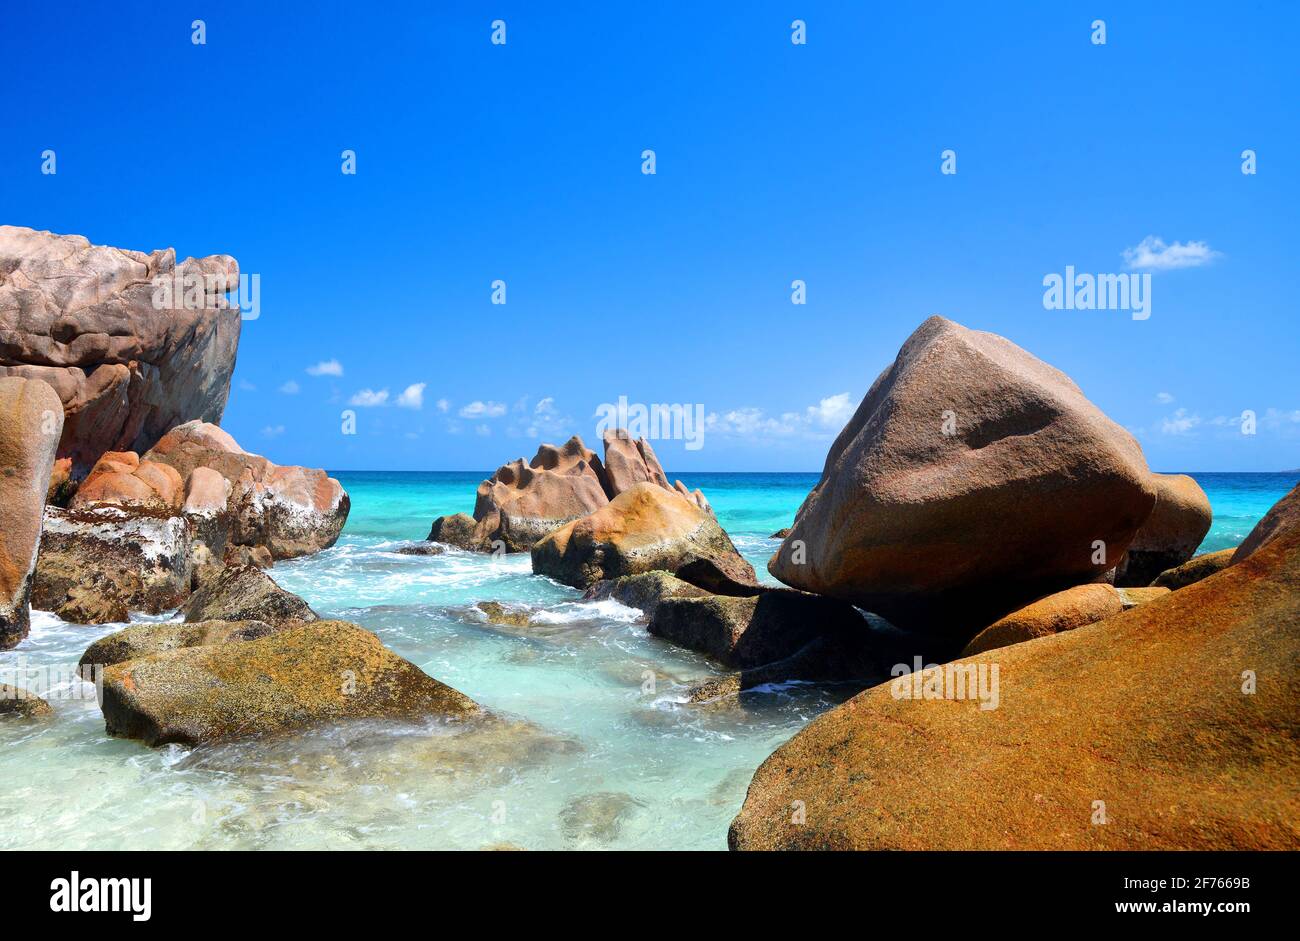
x,y
977,518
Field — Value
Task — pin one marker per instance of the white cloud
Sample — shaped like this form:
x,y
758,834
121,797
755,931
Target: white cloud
x,y
1152,254
483,410
412,396
290,388
368,398
1179,423
272,431
546,421
483,430
1164,398
442,405
247,386
326,367
818,421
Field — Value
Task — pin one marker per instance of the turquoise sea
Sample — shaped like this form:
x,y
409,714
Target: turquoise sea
x,y
599,750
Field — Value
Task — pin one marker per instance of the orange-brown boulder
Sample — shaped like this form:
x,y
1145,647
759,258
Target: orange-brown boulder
x,y
643,529
1171,534
1175,725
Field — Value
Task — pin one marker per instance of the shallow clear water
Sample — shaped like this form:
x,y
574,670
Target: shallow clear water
x,y
592,747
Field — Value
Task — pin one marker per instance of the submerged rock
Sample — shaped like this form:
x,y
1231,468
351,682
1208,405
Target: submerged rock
x,y
296,678
16,701
644,529
645,591
1193,570
1178,715
497,613
31,418
972,479
421,548
1063,611
1170,535
83,318
135,557
600,816
143,640
246,593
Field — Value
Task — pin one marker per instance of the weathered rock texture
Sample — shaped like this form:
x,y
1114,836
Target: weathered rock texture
x,y
246,593
521,503
305,675
291,510
82,318
30,422
1063,611
972,479
144,640
1171,534
1148,711
641,530
120,478
133,557
1193,570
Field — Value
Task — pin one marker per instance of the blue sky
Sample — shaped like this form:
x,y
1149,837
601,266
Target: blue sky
x,y
775,162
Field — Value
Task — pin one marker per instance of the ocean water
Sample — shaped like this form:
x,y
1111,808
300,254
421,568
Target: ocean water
x,y
591,745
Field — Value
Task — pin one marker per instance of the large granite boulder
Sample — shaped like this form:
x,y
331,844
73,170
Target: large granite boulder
x,y
643,529
83,318
972,479
1170,726
303,676
1062,611
246,593
292,511
1194,569
145,640
1171,534
31,419
137,557
1283,516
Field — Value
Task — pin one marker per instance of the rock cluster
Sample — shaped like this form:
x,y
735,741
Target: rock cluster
x,y
523,502
140,532
1178,714
83,319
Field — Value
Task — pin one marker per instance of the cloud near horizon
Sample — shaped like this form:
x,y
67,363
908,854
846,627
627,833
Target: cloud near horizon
x,y
820,421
